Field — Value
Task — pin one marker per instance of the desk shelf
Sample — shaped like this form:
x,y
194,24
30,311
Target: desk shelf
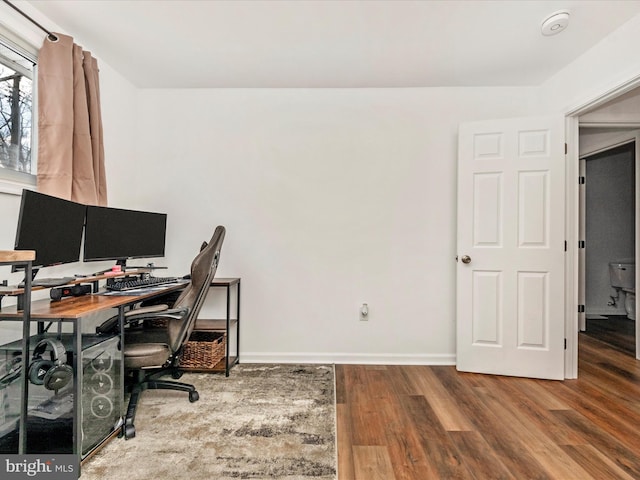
x,y
226,326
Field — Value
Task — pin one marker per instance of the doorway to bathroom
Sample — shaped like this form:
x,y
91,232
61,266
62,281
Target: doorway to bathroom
x,y
608,206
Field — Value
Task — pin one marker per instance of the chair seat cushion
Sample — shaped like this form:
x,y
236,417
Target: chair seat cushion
x,y
146,348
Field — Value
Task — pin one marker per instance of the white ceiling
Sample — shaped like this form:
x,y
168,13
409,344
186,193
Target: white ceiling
x,y
334,43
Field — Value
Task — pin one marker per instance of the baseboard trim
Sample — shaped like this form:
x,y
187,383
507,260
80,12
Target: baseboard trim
x,y
349,358
606,311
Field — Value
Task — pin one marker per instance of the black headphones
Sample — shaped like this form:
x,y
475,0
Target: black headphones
x,y
53,374
13,368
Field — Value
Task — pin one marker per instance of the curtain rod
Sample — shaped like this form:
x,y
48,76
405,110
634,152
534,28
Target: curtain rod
x,y
51,36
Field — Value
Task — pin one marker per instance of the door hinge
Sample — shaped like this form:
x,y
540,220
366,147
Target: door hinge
x,y
580,243
581,180
565,245
566,148
580,308
565,343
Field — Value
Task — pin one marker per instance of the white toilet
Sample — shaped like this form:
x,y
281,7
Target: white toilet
x,y
623,277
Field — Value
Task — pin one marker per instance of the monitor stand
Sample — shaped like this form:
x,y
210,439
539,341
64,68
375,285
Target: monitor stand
x,y
150,266
45,282
124,267
34,272
121,262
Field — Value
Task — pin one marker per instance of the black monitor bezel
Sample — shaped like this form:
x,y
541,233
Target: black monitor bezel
x,y
57,213
117,216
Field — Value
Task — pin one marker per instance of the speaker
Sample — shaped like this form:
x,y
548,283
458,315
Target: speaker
x,y
54,373
73,291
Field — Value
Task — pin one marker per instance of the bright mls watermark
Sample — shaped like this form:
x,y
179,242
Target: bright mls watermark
x,y
50,467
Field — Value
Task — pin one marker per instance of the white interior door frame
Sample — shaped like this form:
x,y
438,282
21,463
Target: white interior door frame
x,y
572,215
617,140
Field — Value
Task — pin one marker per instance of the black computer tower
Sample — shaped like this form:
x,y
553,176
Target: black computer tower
x,y
101,392
51,413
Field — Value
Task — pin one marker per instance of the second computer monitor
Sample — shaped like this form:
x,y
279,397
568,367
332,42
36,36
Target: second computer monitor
x,y
119,234
51,226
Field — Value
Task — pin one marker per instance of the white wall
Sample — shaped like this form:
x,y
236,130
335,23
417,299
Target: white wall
x,y
331,198
612,62
624,109
337,197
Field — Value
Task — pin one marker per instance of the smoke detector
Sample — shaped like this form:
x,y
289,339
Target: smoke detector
x,y
555,23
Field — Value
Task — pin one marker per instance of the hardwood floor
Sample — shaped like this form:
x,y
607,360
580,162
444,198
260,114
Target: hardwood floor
x,y
615,330
423,423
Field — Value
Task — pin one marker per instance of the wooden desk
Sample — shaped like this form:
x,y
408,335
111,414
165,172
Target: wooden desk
x,y
74,309
9,257
94,280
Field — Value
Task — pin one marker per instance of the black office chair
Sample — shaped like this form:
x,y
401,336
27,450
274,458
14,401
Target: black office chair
x,y
151,351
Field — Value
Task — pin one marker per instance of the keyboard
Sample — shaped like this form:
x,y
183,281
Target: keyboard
x,y
122,285
49,282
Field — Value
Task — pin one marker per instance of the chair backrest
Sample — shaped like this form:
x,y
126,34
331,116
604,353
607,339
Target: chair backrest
x,y
203,269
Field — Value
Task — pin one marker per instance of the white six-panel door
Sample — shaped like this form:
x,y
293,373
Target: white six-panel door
x,y
510,291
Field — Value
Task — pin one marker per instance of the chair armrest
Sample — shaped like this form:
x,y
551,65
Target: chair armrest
x,y
136,315
110,325
147,309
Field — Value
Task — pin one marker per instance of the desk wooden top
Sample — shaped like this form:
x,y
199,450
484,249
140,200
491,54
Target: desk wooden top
x,y
224,281
14,290
71,308
7,256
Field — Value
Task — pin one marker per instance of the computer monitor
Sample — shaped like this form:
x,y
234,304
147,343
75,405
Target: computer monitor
x,y
119,234
52,227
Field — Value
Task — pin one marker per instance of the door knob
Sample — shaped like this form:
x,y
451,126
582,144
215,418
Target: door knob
x,y
466,259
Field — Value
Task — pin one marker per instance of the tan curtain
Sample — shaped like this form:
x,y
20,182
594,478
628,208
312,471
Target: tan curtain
x,y
70,144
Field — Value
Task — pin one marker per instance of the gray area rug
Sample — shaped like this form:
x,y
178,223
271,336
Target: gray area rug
x,y
262,422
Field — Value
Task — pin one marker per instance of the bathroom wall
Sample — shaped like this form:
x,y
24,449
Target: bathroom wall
x,y
610,220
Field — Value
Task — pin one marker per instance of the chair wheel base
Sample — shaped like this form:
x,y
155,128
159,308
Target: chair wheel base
x,y
129,432
176,374
194,396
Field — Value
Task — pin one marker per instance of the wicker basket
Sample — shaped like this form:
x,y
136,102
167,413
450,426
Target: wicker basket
x,y
204,350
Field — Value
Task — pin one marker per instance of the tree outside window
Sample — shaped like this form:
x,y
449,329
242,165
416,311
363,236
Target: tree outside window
x,y
16,113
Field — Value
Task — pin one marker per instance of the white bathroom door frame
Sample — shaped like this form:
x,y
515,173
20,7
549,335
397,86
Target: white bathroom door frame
x,y
573,214
614,141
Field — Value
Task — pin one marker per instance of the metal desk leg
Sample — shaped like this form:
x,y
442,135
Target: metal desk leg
x,y
24,378
238,323
77,390
226,361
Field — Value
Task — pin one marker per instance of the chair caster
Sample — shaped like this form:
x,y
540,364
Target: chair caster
x,y
176,374
194,397
129,432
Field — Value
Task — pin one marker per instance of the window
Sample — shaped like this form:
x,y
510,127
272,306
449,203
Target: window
x,y
17,72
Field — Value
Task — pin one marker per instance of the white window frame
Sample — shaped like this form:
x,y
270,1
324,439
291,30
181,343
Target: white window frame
x,y
12,182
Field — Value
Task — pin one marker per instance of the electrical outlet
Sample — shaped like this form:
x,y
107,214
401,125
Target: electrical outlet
x,y
364,312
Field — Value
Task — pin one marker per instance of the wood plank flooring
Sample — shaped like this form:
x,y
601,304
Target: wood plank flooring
x,y
423,423
616,330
